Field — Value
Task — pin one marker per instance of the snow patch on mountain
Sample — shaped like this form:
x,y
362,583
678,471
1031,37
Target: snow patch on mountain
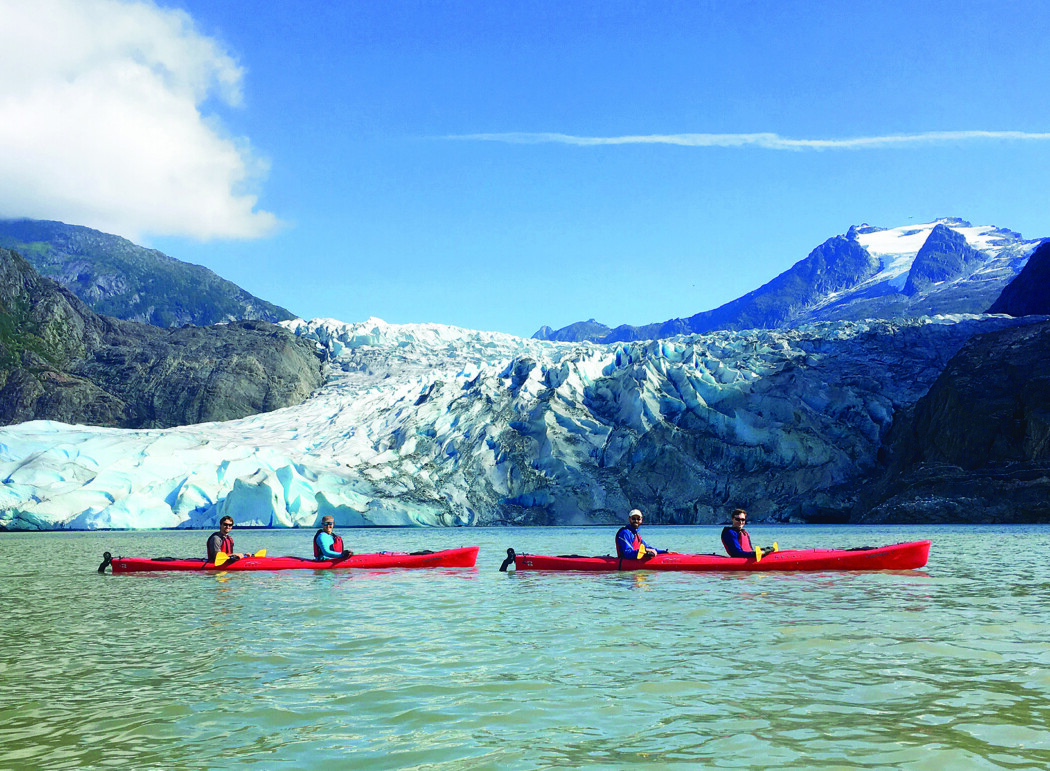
x,y
897,247
882,294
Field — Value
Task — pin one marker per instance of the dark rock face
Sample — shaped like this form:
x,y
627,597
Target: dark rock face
x,y
976,448
1029,293
837,264
61,361
117,278
945,255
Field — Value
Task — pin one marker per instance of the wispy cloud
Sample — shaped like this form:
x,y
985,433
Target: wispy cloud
x,y
103,125
767,141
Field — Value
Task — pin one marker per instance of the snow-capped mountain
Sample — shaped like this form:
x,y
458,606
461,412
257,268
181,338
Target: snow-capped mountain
x,y
434,425
945,266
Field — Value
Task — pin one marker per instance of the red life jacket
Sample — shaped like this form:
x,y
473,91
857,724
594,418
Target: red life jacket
x,y
635,544
225,544
337,545
745,541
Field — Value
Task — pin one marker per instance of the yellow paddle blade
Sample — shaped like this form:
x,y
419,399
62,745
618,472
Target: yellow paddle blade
x,y
260,553
221,558
641,553
758,554
776,546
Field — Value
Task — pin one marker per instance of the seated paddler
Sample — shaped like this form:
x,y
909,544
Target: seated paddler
x,y
222,541
328,545
629,544
735,538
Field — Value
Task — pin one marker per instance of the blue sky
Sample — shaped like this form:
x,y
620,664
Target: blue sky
x,y
501,166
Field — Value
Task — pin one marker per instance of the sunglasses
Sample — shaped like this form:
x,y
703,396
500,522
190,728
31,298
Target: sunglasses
x,y
740,519
328,524
225,524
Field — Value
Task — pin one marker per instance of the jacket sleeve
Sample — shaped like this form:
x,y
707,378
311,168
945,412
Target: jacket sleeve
x,y
731,542
214,546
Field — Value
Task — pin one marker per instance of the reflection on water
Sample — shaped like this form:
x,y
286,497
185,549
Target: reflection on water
x,y
459,668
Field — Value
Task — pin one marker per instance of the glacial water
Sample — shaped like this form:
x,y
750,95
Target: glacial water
x,y
947,667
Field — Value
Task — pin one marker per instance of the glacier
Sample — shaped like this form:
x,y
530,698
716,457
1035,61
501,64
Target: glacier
x,y
432,425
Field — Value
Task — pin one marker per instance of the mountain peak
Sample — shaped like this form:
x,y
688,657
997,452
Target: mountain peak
x,y
868,272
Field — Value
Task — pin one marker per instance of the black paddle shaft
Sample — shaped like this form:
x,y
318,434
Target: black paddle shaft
x,y
508,561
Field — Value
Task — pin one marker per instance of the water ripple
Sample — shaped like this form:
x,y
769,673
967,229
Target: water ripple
x,y
474,669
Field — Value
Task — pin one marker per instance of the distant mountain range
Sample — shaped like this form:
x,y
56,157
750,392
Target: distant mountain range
x,y
115,277
946,266
919,420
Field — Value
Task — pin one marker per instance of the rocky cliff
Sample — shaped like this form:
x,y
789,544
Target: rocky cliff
x,y
945,255
1029,293
61,361
976,447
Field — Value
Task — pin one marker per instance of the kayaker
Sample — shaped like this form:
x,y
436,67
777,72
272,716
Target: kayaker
x,y
221,540
629,545
328,545
735,538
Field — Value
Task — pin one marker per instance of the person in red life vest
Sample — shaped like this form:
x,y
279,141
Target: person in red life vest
x,y
629,545
222,541
328,545
735,537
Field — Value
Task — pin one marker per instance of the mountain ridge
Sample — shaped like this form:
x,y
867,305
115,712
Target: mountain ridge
x,y
116,277
945,266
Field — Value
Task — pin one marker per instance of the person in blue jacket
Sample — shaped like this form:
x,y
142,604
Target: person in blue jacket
x,y
629,545
735,538
328,545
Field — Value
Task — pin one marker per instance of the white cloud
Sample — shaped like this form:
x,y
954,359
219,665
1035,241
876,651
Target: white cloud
x,y
766,141
102,123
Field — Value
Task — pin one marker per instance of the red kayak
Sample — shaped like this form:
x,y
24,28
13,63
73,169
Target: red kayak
x,y
901,556
464,557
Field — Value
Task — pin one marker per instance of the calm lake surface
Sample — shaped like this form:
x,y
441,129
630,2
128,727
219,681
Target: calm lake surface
x,y
948,667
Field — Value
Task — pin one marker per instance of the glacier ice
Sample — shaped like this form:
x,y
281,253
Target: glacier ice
x,y
424,424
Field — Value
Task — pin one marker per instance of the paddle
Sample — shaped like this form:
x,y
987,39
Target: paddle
x,y
507,562
759,551
223,558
